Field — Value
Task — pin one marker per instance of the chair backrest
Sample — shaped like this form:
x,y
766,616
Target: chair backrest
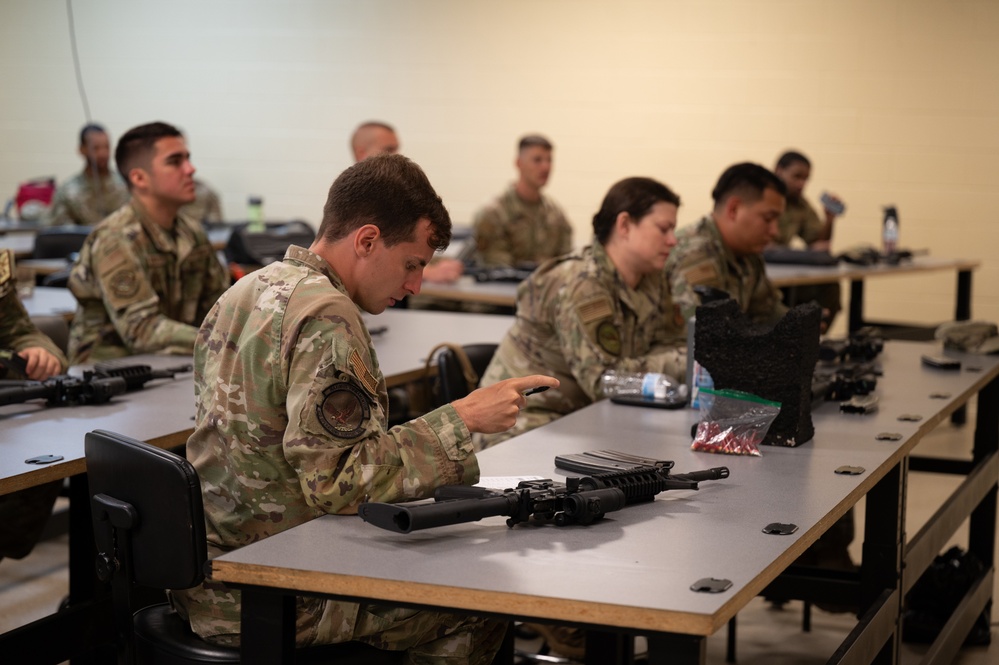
x,y
456,378
59,242
262,247
166,544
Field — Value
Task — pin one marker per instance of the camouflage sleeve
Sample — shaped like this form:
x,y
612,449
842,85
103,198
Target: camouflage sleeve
x,y
766,304
590,339
490,240
216,282
687,267
132,304
58,213
336,438
811,227
18,332
213,208
565,242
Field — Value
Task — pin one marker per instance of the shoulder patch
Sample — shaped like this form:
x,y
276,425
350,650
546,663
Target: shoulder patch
x,y
362,372
6,267
124,283
343,410
701,273
609,338
594,309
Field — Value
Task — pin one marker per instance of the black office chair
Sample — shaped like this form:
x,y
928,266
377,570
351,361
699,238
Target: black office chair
x,y
260,248
459,369
149,526
59,242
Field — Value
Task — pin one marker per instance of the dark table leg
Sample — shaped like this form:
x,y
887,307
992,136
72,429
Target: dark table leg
x,y
856,320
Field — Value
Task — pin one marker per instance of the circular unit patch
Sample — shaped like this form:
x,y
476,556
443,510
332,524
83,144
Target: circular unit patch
x,y
343,410
609,338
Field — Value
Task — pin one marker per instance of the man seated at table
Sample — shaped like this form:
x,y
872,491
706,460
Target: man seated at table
x,y
604,307
725,248
801,221
291,419
92,195
23,514
523,226
146,276
379,138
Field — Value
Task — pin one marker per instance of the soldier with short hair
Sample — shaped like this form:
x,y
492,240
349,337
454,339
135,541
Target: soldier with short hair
x,y
725,248
292,410
605,307
523,226
146,276
93,194
800,220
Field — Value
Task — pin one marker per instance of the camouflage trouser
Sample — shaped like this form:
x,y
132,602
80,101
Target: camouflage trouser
x,y
23,515
428,638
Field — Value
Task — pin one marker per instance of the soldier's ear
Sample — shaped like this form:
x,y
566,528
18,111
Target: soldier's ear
x,y
622,224
365,239
138,177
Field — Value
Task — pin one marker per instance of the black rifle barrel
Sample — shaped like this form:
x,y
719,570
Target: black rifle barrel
x,y
28,390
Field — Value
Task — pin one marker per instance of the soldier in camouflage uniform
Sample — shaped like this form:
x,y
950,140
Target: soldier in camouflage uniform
x,y
800,220
291,419
523,226
606,307
23,514
146,276
95,193
724,249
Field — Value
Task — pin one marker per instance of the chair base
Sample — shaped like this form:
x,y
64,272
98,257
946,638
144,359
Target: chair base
x,y
163,638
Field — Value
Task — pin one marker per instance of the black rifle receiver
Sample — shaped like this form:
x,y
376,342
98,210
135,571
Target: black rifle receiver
x,y
97,386
578,501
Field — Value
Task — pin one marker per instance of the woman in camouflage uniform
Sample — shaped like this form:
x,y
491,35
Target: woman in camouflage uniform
x,y
605,307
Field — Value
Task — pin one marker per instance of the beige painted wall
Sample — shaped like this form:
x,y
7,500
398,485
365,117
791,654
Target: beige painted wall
x,y
896,101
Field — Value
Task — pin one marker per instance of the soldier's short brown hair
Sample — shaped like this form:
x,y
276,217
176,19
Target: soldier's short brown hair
x,y
749,181
391,192
135,147
534,141
635,196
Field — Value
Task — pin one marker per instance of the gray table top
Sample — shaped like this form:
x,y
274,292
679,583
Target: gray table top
x,y
411,333
161,413
50,301
634,568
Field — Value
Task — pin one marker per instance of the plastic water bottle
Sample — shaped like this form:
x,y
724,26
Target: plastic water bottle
x,y
649,385
255,214
697,375
889,231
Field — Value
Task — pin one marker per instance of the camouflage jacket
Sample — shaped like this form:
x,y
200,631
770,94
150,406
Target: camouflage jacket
x,y
701,257
206,206
85,200
798,221
17,332
291,422
141,288
510,232
576,318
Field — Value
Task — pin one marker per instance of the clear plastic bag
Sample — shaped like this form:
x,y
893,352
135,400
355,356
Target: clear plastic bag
x,y
733,422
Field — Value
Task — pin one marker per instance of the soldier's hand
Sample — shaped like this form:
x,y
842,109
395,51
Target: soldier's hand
x,y
495,408
41,363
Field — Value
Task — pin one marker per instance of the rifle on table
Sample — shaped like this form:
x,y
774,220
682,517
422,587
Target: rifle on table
x,y
96,386
578,501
